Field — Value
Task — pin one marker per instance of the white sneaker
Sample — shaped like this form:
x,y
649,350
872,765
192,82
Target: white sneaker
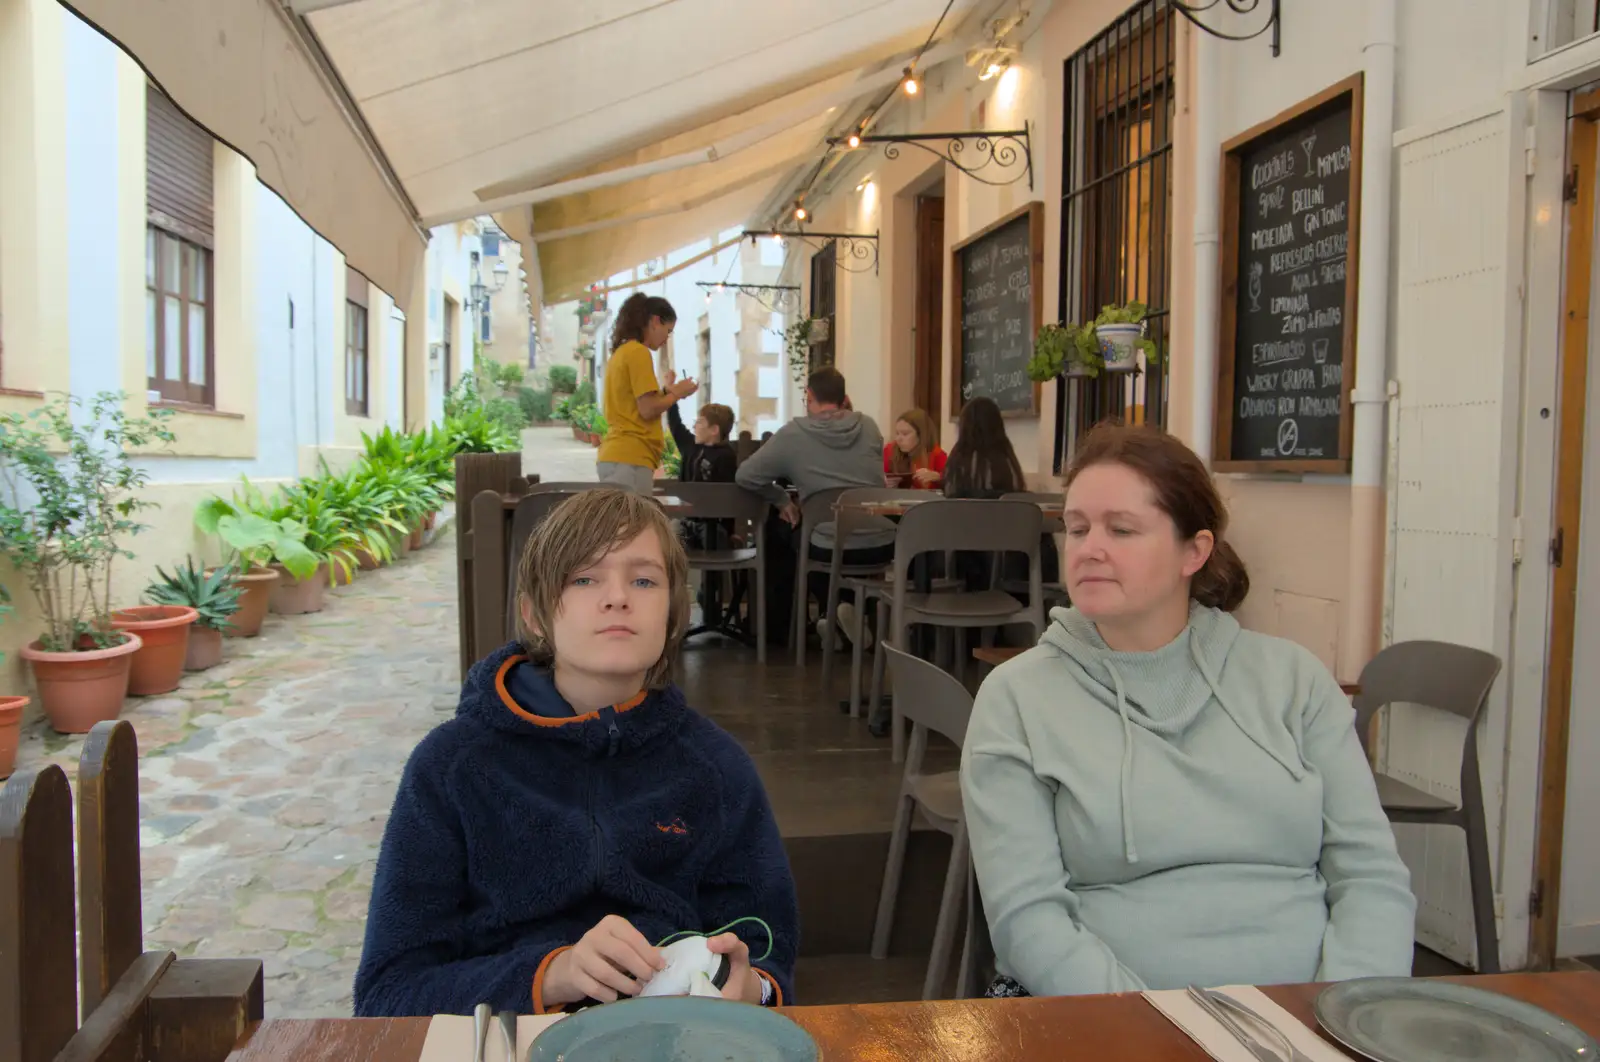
x,y
850,624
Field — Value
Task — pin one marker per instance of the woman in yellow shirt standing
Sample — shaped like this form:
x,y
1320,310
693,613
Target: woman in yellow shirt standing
x,y
634,400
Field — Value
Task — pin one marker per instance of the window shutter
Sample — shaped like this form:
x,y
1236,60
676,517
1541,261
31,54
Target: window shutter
x,y
355,287
178,170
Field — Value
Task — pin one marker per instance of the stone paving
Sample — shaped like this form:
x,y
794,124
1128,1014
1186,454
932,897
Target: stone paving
x,y
266,782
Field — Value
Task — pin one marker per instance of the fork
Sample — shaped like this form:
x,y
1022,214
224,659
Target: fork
x,y
481,1015
1279,1037
1223,1017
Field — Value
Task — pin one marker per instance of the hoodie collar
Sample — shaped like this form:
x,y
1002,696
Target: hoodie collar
x,y
1162,691
612,730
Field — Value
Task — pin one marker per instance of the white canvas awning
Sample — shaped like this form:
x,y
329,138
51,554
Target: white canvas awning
x,y
240,69
603,132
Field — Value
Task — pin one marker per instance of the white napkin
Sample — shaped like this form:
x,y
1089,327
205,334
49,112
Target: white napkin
x,y
450,1038
1221,1045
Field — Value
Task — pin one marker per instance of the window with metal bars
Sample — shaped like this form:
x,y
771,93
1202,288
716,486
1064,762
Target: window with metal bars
x,y
1116,211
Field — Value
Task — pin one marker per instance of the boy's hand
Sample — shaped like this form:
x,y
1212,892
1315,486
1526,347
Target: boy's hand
x,y
743,984
613,959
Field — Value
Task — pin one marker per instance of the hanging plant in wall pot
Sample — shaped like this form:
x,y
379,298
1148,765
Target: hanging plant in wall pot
x,y
1119,336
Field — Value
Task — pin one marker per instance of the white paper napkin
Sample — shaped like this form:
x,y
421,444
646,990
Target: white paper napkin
x,y
450,1038
1220,1044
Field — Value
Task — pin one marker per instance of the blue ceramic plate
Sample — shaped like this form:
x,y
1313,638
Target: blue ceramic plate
x,y
1401,1019
674,1029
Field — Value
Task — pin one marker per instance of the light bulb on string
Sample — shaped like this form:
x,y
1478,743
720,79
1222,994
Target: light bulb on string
x,y
910,82
854,141
800,213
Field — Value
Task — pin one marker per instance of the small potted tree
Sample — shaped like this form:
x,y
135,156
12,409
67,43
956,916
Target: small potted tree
x,y
71,491
214,597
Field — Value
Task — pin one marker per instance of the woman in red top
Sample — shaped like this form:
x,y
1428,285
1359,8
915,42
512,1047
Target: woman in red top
x,y
913,459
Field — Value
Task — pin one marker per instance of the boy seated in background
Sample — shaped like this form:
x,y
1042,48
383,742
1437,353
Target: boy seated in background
x,y
708,457
577,812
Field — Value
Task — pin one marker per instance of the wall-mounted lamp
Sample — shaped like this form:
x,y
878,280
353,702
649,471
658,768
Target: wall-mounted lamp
x,y
995,68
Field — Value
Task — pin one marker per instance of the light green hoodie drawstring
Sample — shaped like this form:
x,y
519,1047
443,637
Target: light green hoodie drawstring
x,y
1128,850
1296,767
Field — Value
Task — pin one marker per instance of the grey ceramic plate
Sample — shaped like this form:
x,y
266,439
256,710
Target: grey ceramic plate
x,y
674,1029
1398,1019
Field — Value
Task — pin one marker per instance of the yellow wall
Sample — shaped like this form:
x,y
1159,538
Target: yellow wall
x,y
33,201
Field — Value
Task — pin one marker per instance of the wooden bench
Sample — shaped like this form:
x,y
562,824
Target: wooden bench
x,y
134,1005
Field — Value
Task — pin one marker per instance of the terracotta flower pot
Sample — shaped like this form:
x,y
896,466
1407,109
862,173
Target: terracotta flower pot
x,y
11,709
296,597
429,521
164,629
368,561
401,545
78,690
415,541
343,576
255,594
205,648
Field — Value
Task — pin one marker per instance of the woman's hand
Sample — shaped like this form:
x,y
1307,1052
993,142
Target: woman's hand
x,y
611,960
926,476
743,983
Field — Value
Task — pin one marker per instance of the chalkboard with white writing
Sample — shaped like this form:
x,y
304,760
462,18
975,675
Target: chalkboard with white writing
x,y
1291,217
997,282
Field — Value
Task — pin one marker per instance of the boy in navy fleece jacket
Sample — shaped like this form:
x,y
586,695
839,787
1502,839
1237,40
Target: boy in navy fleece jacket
x,y
576,811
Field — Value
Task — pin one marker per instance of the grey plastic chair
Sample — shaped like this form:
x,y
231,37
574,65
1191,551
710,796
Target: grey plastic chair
x,y
1054,593
946,525
1455,679
814,512
847,518
934,701
729,501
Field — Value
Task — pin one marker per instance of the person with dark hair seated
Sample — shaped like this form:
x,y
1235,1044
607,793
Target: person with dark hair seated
x,y
1157,797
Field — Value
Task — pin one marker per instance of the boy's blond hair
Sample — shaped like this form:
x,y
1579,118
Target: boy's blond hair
x,y
581,531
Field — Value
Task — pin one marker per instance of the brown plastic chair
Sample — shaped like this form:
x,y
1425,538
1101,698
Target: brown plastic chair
x,y
933,700
1455,679
814,512
729,501
946,525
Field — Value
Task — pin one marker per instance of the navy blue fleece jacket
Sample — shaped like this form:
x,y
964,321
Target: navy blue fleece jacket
x,y
516,828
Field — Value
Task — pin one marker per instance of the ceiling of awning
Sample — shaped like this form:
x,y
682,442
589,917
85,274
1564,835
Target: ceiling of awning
x,y
475,102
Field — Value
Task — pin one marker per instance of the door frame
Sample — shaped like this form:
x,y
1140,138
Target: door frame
x,y
1583,142
927,341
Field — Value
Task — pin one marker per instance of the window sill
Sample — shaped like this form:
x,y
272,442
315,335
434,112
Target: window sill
x,y
199,411
17,392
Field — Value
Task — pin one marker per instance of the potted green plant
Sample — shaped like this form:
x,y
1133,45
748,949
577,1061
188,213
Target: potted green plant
x,y
254,543
212,594
11,709
164,630
1064,350
1119,330
71,492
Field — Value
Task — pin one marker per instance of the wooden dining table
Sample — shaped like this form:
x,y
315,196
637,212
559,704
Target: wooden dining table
x,y
1064,1029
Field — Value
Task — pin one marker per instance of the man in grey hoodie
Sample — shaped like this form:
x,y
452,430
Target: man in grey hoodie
x,y
831,446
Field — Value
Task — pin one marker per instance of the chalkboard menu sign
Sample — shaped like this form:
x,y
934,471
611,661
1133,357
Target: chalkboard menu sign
x,y
997,282
1291,216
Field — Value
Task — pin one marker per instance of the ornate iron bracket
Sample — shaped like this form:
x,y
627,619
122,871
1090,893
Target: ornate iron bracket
x,y
778,298
1003,149
1274,21
856,252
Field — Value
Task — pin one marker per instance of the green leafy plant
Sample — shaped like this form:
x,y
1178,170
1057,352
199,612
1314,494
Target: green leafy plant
x,y
672,460
314,505
71,494
256,535
507,375
536,405
1059,348
797,348
476,433
1133,313
367,506
563,379
214,595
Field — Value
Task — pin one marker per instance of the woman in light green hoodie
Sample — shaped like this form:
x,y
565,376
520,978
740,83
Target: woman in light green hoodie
x,y
1157,797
